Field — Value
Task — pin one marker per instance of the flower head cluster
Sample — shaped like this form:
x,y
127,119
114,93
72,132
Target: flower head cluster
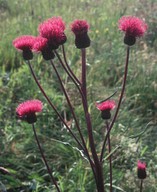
x,y
51,36
53,30
80,29
105,108
25,44
141,170
133,27
26,110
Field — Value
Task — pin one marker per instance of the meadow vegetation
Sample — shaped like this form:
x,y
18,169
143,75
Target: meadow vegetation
x,y
135,131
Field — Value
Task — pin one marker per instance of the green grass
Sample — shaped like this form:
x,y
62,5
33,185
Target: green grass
x,y
106,58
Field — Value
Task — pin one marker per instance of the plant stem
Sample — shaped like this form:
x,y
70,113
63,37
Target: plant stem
x,y
70,105
110,157
120,100
83,85
97,168
107,97
44,159
98,165
84,102
53,107
68,67
141,185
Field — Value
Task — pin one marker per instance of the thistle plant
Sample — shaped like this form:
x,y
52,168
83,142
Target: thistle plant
x,y
50,44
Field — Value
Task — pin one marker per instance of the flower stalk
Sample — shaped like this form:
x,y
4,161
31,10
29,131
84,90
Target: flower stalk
x,y
110,157
84,66
87,116
69,103
120,99
141,185
68,67
44,159
98,165
53,107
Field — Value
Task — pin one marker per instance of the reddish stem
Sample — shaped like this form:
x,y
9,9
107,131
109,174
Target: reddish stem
x,y
68,67
120,101
84,106
44,159
83,85
69,103
141,185
110,157
98,165
97,170
53,107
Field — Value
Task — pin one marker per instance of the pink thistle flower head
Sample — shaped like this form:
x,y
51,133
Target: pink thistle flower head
x,y
27,110
25,44
105,108
53,30
57,21
41,45
106,105
141,170
80,29
133,27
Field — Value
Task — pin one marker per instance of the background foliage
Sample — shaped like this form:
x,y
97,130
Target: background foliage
x,y
106,56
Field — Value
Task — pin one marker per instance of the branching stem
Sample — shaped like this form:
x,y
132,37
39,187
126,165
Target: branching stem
x,y
53,107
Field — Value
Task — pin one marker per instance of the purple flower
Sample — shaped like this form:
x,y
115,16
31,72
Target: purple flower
x,y
53,30
80,29
105,108
133,27
27,110
25,44
141,170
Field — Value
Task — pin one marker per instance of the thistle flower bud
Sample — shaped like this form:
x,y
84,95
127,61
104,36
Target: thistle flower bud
x,y
80,29
141,170
105,108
